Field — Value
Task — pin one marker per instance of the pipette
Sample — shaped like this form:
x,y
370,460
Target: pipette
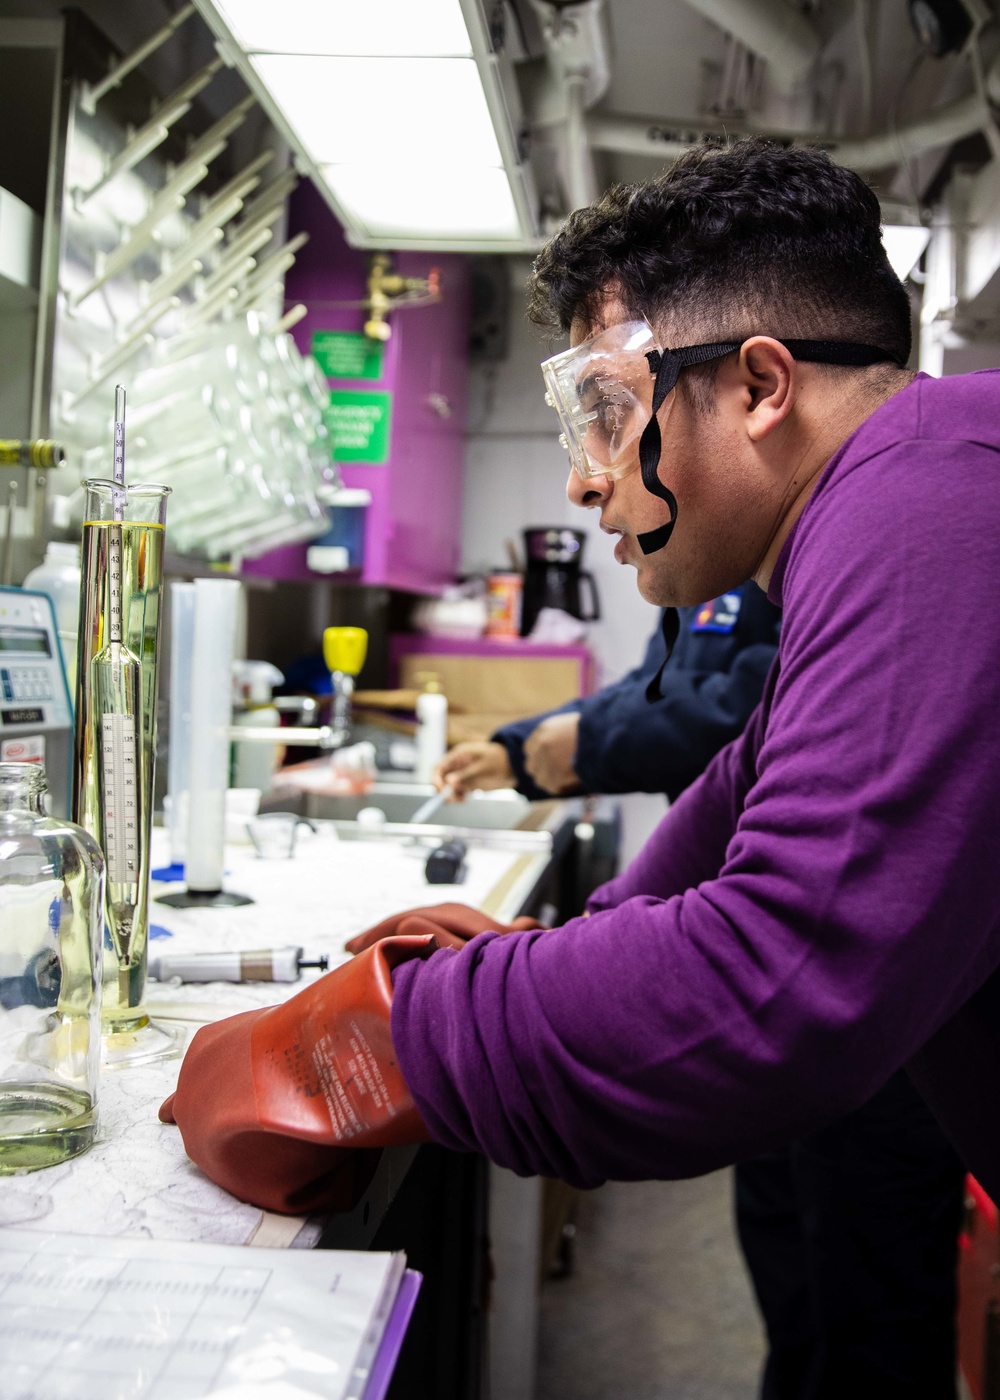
x,y
260,965
117,680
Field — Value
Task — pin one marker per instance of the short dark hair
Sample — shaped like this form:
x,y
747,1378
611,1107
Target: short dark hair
x,y
750,238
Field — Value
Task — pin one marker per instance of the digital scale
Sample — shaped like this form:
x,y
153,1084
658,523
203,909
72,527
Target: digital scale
x,y
36,715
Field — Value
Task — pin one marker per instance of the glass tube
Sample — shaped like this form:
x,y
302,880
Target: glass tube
x,y
120,605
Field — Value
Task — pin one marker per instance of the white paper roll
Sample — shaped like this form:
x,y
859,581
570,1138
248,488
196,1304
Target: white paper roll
x,y
179,755
215,602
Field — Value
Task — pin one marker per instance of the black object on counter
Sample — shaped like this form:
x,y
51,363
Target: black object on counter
x,y
446,863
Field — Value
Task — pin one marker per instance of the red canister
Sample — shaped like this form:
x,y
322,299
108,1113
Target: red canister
x,y
503,596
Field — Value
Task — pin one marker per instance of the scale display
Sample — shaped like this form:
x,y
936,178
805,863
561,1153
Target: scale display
x,y
36,717
25,639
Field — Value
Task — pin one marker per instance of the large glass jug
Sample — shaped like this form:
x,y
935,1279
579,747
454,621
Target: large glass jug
x,y
51,925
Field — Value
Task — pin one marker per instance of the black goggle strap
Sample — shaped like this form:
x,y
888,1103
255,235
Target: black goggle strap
x,y
666,365
669,629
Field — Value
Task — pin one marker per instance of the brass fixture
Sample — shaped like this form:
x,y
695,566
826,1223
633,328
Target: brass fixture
x,y
388,290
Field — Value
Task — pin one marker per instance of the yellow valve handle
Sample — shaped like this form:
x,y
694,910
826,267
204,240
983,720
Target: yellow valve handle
x,y
345,649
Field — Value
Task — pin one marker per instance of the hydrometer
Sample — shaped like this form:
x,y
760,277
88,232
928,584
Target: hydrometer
x,y
114,750
116,678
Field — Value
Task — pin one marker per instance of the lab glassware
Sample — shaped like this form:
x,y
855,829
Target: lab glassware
x,y
273,834
51,919
119,644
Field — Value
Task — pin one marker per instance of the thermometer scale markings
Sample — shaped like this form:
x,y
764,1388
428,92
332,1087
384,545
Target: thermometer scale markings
x,y
119,472
115,584
121,820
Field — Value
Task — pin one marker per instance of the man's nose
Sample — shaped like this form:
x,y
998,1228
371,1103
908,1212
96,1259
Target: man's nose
x,y
589,493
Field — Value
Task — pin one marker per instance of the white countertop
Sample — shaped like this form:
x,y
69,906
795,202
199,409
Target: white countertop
x,y
136,1179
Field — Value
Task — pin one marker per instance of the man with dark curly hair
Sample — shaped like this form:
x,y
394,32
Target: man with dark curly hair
x,y
820,909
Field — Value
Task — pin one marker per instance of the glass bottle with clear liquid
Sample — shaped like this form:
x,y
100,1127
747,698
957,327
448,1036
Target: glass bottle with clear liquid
x,y
51,922
120,606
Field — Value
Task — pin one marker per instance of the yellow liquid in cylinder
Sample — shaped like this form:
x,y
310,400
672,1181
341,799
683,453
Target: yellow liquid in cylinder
x,y
120,679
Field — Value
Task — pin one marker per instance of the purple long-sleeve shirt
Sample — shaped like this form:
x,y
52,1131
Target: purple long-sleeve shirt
x,y
821,907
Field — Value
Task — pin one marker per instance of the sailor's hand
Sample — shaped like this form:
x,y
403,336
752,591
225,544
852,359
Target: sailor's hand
x,y
467,767
550,753
451,926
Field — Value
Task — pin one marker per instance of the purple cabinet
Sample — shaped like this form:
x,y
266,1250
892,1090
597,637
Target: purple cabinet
x,y
412,531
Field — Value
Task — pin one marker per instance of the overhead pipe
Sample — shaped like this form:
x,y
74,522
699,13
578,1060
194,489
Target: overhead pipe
x,y
938,128
579,61
576,43
581,180
665,140
779,34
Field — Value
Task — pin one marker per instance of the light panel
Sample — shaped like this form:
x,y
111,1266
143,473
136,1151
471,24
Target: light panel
x,y
396,109
904,245
401,28
403,202
430,110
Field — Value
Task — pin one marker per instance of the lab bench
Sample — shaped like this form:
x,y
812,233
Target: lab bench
x,y
434,1204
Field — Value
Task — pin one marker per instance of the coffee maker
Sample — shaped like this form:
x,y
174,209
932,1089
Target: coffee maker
x,y
553,577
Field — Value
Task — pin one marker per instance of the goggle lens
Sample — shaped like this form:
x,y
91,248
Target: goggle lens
x,y
602,391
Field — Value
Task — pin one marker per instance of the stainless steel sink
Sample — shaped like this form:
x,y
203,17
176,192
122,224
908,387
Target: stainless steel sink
x,y
505,810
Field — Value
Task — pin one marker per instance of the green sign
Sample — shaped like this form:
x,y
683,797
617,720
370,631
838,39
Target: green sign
x,y
359,421
347,355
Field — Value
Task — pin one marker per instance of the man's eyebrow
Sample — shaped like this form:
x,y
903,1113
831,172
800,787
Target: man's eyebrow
x,y
588,382
599,379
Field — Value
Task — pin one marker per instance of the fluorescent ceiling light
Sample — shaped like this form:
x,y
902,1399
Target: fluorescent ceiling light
x,y
904,244
404,28
396,108
384,110
402,201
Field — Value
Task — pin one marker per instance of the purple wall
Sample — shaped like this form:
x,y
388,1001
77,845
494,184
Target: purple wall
x,y
412,538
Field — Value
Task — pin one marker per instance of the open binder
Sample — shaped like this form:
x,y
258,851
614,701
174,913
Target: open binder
x,y
126,1319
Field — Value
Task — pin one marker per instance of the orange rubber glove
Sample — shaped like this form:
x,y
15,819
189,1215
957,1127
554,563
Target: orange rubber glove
x,y
452,925
274,1105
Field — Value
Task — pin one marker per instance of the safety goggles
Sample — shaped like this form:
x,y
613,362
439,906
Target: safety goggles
x,y
609,390
602,392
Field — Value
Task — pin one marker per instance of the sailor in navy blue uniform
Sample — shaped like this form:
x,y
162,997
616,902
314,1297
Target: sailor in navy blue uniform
x,y
709,688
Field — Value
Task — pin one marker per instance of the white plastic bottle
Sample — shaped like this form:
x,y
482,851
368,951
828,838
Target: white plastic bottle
x,y
59,577
432,730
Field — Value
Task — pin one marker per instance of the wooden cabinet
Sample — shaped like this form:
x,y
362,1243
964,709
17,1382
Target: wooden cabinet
x,y
490,681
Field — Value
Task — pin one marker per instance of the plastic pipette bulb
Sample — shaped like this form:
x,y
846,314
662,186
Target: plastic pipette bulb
x,y
116,678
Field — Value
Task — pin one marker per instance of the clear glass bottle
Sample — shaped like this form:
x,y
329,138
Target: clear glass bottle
x,y
51,925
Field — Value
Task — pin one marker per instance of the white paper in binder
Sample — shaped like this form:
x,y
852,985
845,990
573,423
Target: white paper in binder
x,y
121,1319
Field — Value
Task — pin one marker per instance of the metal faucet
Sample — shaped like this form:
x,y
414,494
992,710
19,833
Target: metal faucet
x,y
344,651
302,705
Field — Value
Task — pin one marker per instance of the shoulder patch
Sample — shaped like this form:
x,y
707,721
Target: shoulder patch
x,y
720,615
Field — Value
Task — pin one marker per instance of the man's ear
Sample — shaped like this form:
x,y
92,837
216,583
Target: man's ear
x,y
767,375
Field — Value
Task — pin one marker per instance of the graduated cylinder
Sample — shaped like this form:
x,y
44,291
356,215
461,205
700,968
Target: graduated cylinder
x,y
120,610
